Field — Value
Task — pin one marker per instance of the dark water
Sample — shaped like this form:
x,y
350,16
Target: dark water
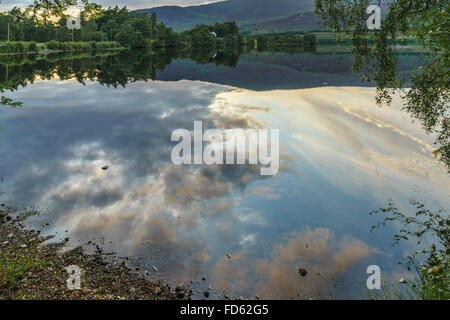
x,y
341,157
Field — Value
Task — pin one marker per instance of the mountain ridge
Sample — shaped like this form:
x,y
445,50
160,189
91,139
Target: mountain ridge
x,y
244,12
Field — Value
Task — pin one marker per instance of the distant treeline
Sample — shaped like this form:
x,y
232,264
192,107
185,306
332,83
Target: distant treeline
x,y
278,43
132,30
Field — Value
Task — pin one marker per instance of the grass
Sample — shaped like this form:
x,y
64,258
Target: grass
x,y
388,292
33,47
14,264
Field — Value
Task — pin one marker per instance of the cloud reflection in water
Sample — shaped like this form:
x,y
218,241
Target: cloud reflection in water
x,y
340,156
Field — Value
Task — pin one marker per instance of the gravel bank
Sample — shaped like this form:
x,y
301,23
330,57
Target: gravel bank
x,y
32,269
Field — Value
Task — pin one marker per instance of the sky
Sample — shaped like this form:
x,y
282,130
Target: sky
x,y
131,4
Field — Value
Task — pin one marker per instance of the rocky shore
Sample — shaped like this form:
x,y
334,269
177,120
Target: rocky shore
x,y
31,268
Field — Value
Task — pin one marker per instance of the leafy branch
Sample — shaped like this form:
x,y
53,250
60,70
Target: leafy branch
x,y
8,101
434,270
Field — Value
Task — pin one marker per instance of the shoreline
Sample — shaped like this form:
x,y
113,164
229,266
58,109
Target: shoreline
x,y
48,51
31,47
31,269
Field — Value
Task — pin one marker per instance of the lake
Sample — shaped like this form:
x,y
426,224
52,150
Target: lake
x,y
245,234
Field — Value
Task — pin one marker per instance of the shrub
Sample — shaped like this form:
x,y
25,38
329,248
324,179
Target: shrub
x,y
32,46
3,48
65,45
310,40
10,47
93,45
87,46
18,47
53,45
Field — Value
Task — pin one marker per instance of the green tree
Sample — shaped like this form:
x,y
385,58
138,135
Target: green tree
x,y
153,23
44,10
129,37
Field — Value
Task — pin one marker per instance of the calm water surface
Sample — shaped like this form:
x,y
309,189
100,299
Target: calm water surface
x,y
341,157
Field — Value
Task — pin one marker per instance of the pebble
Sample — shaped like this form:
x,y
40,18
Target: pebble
x,y
180,287
206,294
302,272
155,268
131,286
228,256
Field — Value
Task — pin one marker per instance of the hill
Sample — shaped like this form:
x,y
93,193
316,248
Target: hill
x,y
244,12
299,22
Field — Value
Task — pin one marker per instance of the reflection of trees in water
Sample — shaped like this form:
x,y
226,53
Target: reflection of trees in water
x,y
115,70
109,68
